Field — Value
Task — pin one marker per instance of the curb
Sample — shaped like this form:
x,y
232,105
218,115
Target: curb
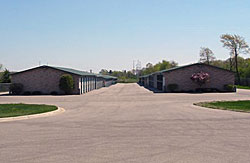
x,y
32,116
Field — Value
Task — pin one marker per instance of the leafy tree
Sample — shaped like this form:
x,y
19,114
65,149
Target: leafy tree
x,y
173,64
104,72
150,68
66,83
206,55
200,78
247,72
5,78
130,75
243,65
220,63
121,75
149,65
237,45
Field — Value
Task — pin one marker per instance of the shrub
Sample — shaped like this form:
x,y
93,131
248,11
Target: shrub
x,y
172,87
16,88
215,90
206,90
36,93
66,83
190,91
229,87
199,90
200,78
54,93
27,93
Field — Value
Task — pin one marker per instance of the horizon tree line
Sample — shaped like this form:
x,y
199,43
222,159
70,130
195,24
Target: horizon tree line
x,y
235,44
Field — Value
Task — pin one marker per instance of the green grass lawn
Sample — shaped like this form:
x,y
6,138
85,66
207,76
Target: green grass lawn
x,y
14,110
242,106
242,87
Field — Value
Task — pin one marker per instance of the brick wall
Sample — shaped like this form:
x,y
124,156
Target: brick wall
x,y
43,79
218,77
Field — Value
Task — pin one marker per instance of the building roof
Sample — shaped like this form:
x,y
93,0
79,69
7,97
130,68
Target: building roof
x,y
106,76
73,71
69,70
180,67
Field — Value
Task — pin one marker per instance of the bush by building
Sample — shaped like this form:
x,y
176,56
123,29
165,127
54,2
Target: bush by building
x,y
16,88
172,87
66,83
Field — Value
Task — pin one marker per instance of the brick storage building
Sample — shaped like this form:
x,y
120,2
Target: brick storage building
x,y
219,78
45,79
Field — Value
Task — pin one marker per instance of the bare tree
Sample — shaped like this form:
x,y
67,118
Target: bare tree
x,y
1,66
206,55
237,45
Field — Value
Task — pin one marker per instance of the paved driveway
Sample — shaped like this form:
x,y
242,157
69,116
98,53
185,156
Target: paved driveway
x,y
127,123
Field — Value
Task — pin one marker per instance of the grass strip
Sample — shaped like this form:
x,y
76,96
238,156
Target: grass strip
x,y
242,87
240,106
14,110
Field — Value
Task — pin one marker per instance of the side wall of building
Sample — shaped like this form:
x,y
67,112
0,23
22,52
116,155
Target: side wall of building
x,y
155,80
181,77
99,83
45,80
108,83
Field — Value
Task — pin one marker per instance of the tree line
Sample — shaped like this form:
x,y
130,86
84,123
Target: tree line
x,y
132,76
234,43
163,65
123,76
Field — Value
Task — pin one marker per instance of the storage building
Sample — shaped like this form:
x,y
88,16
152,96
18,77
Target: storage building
x,y
45,79
219,79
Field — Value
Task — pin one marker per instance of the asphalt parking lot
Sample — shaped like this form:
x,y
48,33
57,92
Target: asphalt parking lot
x,y
126,123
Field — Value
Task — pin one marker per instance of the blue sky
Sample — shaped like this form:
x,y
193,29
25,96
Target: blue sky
x,y
110,34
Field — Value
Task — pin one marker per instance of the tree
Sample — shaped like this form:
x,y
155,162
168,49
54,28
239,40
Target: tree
x,y
66,83
150,68
173,64
149,65
237,45
5,78
200,78
206,55
104,72
0,71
